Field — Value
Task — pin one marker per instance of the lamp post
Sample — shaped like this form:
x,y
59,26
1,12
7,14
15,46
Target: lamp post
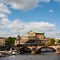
x,y
19,39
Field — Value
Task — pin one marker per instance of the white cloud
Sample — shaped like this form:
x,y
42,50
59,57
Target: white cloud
x,y
23,4
5,33
4,9
25,27
16,27
44,26
3,15
4,23
53,34
51,10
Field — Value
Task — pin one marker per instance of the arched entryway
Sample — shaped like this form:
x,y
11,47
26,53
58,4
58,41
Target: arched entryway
x,y
25,50
45,49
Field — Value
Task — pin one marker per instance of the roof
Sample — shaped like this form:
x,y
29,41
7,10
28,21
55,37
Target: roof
x,y
36,32
30,31
39,33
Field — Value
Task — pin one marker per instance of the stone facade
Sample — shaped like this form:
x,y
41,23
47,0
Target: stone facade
x,y
32,37
2,41
21,40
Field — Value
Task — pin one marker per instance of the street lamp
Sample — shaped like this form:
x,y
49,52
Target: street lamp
x,y
19,39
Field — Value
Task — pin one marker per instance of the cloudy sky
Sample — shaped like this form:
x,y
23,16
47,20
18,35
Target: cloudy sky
x,y
17,17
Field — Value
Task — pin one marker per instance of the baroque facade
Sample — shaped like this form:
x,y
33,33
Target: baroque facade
x,y
32,38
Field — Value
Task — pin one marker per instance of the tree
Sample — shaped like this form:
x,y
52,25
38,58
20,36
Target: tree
x,y
10,41
52,41
58,41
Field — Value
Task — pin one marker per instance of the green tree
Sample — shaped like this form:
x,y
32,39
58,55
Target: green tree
x,y
10,41
52,41
58,41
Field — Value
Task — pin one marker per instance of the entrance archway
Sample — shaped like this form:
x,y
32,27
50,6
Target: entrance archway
x,y
25,50
45,49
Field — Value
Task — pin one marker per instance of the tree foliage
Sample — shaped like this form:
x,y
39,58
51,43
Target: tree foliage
x,y
52,41
58,41
10,41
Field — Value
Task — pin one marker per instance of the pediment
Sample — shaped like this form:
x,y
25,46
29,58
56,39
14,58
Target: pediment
x,y
31,33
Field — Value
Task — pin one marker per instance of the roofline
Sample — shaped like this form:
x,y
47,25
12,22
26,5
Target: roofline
x,y
35,32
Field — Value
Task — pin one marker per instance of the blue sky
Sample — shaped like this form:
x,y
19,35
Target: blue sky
x,y
40,13
21,16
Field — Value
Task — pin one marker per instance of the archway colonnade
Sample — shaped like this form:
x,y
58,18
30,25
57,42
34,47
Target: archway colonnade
x,y
36,49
